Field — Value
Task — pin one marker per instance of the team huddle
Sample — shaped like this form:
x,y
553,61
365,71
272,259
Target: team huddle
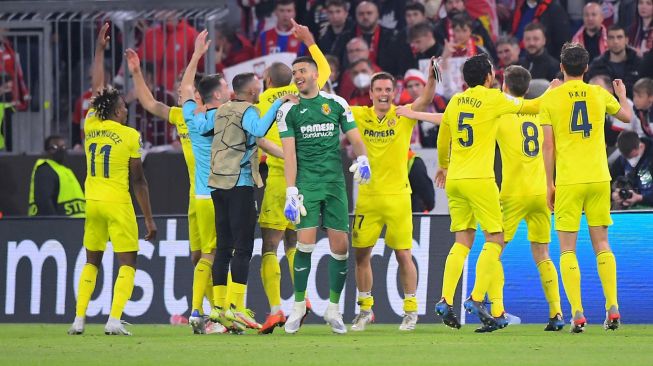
x,y
553,160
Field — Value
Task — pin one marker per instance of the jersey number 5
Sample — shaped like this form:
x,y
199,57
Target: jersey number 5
x,y
104,150
462,126
531,145
579,119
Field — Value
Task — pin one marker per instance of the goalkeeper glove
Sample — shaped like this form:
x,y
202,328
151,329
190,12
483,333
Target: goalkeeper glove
x,y
362,170
294,205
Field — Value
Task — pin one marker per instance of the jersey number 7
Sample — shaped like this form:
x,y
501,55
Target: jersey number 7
x,y
579,114
104,150
462,126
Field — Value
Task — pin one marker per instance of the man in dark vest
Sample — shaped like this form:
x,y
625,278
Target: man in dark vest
x,y
54,188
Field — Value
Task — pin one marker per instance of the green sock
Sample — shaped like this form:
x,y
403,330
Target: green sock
x,y
337,276
302,268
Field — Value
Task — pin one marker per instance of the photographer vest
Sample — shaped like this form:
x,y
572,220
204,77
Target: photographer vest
x,y
230,147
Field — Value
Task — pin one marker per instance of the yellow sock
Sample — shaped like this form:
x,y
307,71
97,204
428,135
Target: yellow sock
x,y
239,302
410,303
549,280
208,291
607,268
453,268
571,280
365,301
495,291
122,290
485,268
271,278
200,279
86,288
220,295
290,255
237,294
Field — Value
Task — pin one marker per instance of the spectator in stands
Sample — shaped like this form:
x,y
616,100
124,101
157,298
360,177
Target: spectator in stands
x,y
547,12
414,13
632,172
593,35
422,198
646,66
444,28
314,14
422,42
537,59
643,103
231,48
357,49
507,54
619,61
641,32
169,46
620,12
281,37
385,51
613,126
361,72
334,64
14,93
333,39
414,83
54,188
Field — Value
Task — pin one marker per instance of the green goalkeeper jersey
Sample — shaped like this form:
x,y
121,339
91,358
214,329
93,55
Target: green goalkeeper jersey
x,y
315,124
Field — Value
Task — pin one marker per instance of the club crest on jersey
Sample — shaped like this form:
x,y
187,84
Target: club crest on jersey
x,y
326,109
392,122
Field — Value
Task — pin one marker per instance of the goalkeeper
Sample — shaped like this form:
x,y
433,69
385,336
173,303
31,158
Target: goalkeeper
x,y
313,167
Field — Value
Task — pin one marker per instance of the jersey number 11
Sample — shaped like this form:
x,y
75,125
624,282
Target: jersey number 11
x,y
104,150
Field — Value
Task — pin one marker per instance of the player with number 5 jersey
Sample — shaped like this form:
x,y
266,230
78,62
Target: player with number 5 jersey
x,y
573,118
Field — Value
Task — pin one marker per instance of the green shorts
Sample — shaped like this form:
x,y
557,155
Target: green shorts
x,y
328,200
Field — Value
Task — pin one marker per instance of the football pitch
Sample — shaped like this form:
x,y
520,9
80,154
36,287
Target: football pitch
x,y
40,344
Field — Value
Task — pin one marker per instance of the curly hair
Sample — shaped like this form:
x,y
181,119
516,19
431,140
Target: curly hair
x,y
106,102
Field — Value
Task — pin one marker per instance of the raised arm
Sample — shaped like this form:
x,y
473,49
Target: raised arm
x,y
422,102
625,113
201,46
97,71
407,111
142,193
323,69
143,93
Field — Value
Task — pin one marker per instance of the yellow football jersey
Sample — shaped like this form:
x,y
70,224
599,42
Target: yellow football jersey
x,y
176,117
467,136
268,97
576,112
520,141
387,141
109,145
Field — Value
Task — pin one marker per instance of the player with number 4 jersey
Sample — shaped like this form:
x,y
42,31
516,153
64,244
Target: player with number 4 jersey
x,y
573,118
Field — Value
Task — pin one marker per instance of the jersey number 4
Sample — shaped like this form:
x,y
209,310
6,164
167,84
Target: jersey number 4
x,y
467,128
579,119
104,150
531,146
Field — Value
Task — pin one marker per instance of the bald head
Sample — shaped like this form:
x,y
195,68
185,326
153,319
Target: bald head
x,y
357,49
278,75
367,16
592,17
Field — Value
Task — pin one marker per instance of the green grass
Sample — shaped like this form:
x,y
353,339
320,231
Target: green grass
x,y
37,344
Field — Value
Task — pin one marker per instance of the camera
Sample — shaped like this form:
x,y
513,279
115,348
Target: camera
x,y
625,187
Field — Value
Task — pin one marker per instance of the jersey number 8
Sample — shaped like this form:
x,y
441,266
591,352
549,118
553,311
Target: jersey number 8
x,y
531,146
106,151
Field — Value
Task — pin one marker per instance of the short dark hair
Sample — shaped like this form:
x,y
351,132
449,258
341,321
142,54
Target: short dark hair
x,y
535,26
420,29
241,81
278,3
617,27
338,3
383,76
574,58
305,59
49,141
415,5
644,86
106,102
507,39
197,79
207,85
361,61
461,20
517,80
627,141
476,69
280,75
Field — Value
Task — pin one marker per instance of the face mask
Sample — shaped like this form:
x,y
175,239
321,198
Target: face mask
x,y
59,156
633,161
362,81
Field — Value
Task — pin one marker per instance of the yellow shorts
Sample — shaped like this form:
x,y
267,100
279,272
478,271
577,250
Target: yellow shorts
x,y
206,224
110,221
274,199
531,208
571,200
473,201
194,238
373,212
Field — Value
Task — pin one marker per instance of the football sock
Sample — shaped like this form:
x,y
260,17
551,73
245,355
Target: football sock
x,y
219,295
571,280
208,291
453,268
290,255
200,279
237,295
122,290
238,302
86,288
365,301
337,276
302,268
271,278
485,268
607,268
495,291
549,279
410,303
